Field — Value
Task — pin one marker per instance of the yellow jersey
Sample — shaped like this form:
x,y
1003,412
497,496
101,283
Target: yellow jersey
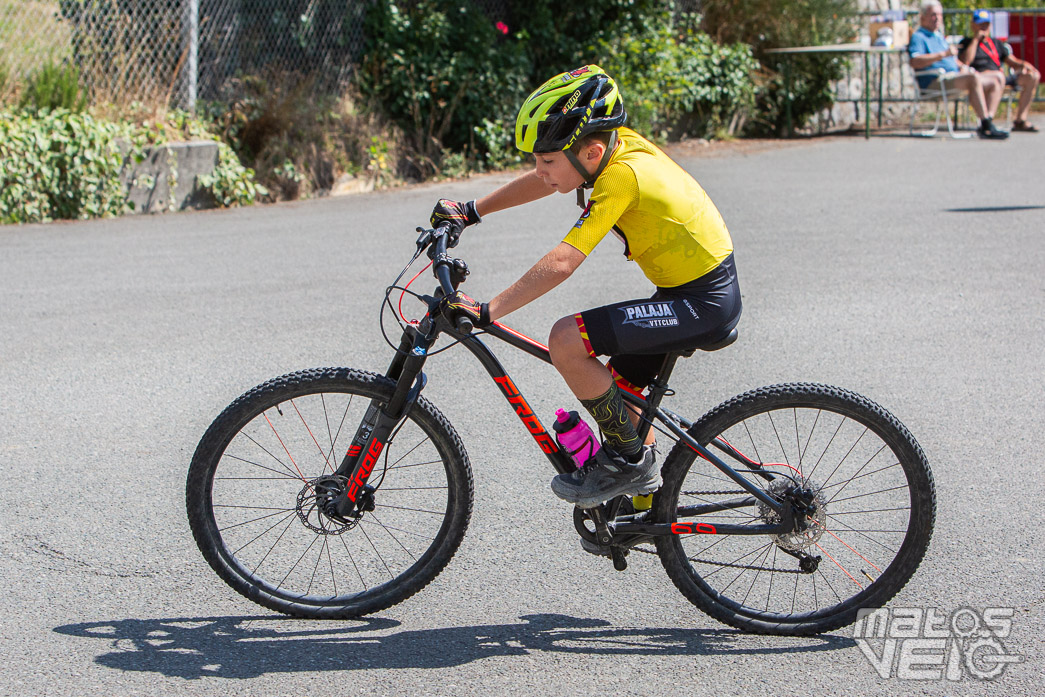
x,y
669,226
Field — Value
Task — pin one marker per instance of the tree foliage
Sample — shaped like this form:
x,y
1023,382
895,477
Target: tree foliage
x,y
767,24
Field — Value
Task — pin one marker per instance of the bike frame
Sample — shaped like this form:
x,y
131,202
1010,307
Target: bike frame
x,y
379,424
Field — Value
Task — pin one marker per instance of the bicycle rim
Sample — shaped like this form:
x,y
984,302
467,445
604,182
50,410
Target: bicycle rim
x,y
252,505
875,505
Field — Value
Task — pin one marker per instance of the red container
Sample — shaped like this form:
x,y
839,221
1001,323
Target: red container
x,y
1027,37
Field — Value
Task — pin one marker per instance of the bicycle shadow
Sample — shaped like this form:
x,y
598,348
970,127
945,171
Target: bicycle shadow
x,y
248,647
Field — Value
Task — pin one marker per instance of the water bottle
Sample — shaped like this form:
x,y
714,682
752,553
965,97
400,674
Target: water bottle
x,y
575,436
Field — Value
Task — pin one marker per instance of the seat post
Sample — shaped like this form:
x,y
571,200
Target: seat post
x,y
656,390
664,374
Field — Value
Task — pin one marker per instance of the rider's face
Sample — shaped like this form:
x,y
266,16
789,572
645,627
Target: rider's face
x,y
557,172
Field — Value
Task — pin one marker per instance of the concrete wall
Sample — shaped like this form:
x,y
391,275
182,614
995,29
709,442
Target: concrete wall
x,y
166,180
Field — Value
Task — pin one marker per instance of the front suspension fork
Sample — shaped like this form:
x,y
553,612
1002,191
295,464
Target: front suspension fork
x,y
379,422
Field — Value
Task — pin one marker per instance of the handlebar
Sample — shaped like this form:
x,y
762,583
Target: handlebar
x,y
442,264
464,325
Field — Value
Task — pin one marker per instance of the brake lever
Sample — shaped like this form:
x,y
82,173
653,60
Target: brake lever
x,y
424,239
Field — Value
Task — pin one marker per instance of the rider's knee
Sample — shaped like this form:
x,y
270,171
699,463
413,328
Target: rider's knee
x,y
563,341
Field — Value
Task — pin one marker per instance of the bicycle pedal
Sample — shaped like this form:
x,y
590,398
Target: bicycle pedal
x,y
619,562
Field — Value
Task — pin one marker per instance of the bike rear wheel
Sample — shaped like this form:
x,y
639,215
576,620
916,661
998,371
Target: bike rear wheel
x,y
875,505
251,499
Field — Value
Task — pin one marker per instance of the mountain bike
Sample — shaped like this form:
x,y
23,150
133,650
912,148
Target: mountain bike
x,y
336,492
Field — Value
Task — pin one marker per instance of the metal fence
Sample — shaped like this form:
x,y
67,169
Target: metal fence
x,y
184,50
179,51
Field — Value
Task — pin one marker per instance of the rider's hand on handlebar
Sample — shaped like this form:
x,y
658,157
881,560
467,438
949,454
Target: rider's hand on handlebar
x,y
461,304
455,213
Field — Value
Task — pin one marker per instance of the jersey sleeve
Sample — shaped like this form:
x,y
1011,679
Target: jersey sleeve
x,y
616,191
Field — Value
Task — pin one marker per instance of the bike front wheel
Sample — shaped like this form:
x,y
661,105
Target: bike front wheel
x,y
252,504
874,504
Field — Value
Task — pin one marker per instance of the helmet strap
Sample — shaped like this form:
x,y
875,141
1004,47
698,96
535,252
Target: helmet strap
x,y
589,179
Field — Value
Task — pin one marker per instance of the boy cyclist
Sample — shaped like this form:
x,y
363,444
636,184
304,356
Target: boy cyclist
x,y
573,124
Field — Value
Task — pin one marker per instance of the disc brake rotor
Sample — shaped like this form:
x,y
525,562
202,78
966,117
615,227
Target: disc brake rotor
x,y
813,525
310,505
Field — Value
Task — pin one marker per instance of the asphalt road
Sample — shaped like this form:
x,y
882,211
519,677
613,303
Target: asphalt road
x,y
908,270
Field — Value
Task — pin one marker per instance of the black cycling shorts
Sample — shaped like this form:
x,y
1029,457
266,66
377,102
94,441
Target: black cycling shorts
x,y
637,334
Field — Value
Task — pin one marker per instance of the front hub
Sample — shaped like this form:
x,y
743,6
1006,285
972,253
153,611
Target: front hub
x,y
315,506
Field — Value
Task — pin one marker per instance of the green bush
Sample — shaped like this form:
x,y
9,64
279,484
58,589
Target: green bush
x,y
560,36
54,86
452,78
437,68
766,24
677,81
64,165
231,184
59,164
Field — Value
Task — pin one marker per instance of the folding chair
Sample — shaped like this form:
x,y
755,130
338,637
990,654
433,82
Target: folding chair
x,y
937,92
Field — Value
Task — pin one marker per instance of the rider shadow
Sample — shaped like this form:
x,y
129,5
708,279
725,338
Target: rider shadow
x,y
247,647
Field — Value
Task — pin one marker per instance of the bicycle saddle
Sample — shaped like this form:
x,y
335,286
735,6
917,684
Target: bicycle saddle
x,y
714,345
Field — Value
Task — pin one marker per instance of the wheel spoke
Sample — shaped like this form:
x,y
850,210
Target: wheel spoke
x,y
901,487
292,473
861,476
809,438
322,452
287,451
830,442
392,535
254,520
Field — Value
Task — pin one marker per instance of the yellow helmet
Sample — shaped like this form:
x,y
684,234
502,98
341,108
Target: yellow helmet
x,y
568,107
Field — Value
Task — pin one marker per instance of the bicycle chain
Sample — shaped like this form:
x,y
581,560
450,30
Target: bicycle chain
x,y
723,563
748,566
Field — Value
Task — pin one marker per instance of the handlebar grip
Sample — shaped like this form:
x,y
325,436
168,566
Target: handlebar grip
x,y
464,324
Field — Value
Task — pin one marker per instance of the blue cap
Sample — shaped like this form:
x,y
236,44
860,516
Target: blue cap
x,y
981,17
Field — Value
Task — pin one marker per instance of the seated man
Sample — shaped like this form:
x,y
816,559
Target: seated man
x,y
929,50
987,56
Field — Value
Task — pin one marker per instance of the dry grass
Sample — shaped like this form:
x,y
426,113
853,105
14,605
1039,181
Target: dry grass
x,y
118,75
30,35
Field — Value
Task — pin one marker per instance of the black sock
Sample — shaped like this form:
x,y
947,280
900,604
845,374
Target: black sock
x,y
609,412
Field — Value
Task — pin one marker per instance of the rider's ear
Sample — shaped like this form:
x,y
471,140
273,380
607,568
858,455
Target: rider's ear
x,y
595,151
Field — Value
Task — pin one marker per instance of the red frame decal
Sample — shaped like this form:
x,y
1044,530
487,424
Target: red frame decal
x,y
363,473
693,528
526,415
